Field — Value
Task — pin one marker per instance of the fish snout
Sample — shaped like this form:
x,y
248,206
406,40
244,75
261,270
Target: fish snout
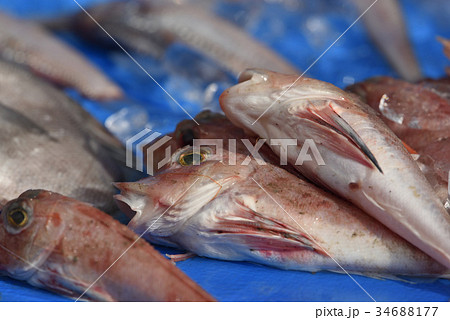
x,y
255,75
249,82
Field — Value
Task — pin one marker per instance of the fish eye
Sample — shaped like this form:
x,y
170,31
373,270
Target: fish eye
x,y
17,217
192,158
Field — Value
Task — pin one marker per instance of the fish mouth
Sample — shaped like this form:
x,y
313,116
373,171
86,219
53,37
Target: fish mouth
x,y
124,207
255,75
157,217
125,198
253,80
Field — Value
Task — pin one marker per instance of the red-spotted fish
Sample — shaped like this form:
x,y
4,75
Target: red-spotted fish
x,y
244,211
65,246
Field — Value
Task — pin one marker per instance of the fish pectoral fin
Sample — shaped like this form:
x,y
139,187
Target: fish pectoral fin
x,y
69,286
259,232
330,121
447,201
181,256
410,150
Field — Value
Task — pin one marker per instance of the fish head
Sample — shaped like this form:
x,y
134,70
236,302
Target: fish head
x,y
207,125
261,93
192,180
188,130
184,135
210,125
246,101
29,231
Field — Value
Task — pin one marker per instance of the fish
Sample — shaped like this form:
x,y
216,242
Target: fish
x,y
151,29
446,45
385,24
69,247
212,125
30,45
356,155
440,86
409,108
49,141
209,206
419,114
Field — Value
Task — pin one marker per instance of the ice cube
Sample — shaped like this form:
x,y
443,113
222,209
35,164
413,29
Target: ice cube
x,y
128,121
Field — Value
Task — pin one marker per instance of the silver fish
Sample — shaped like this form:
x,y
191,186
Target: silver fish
x,y
28,44
152,28
385,23
363,159
51,142
262,213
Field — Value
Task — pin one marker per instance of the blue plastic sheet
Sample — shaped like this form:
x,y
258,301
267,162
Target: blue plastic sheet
x,y
301,36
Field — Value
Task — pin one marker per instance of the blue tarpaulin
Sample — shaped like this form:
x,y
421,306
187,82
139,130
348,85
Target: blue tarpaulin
x,y
300,36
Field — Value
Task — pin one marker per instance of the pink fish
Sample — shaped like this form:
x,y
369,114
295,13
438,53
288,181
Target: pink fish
x,y
364,161
419,114
67,246
262,213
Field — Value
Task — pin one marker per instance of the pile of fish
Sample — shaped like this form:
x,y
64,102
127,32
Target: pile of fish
x,y
57,239
364,161
298,174
261,213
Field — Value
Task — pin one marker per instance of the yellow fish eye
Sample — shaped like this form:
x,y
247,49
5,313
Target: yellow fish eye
x,y
192,158
17,218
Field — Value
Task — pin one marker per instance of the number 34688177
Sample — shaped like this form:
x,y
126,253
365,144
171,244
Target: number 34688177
x,y
407,311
